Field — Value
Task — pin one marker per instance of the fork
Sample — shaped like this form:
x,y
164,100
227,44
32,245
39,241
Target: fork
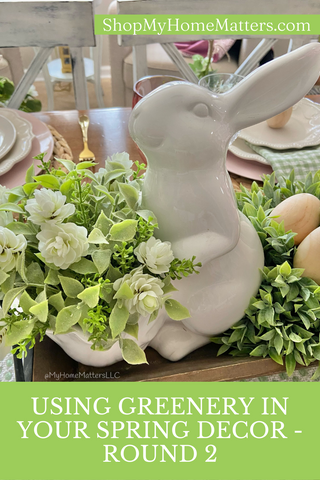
x,y
86,154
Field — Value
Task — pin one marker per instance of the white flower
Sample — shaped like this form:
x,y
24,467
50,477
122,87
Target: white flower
x,y
122,158
11,246
156,255
32,91
147,292
63,244
48,207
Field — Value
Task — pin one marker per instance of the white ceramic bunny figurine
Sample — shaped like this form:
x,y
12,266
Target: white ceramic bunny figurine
x,y
184,130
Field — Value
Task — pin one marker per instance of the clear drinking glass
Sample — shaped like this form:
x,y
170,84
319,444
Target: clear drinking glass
x,y
220,82
146,85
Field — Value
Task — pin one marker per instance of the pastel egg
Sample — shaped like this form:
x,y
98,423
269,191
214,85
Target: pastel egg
x,y
307,256
300,213
280,120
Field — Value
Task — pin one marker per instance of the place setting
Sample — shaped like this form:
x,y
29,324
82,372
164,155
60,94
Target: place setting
x,y
22,137
288,140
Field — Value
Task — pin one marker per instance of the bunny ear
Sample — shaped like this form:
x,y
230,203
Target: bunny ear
x,y
274,87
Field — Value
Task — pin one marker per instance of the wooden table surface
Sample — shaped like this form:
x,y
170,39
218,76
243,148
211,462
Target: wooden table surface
x,y
108,134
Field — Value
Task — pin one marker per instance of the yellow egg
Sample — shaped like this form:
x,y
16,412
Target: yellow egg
x,y
280,120
300,213
307,256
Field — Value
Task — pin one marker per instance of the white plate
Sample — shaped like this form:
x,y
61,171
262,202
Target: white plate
x,y
242,150
302,130
8,135
23,142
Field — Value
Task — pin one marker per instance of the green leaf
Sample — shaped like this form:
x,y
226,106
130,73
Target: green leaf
x,y
3,277
66,186
123,231
19,331
57,301
68,164
153,316
124,292
285,269
132,353
40,311
9,298
26,302
106,193
249,210
20,228
316,352
275,356
103,223
259,351
133,318
114,174
113,273
8,284
66,318
84,266
118,320
290,364
175,310
293,292
16,194
106,292
131,195
235,336
295,338
132,330
169,288
52,278
71,286
223,349
278,343
11,207
35,274
97,237
316,373
266,315
268,335
29,188
101,259
84,165
30,174
90,296
48,181
147,215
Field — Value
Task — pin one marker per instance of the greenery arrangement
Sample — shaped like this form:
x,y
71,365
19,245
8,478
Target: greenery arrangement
x,y
283,320
202,65
29,104
82,255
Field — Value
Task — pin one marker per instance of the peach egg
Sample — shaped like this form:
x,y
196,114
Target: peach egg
x,y
300,213
280,120
307,256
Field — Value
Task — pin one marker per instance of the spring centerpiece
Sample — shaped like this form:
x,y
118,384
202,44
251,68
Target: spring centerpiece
x,y
283,320
78,259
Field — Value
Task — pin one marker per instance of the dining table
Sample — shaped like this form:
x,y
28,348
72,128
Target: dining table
x,y
108,134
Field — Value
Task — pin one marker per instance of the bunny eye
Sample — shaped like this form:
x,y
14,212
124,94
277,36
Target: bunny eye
x,y
201,110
